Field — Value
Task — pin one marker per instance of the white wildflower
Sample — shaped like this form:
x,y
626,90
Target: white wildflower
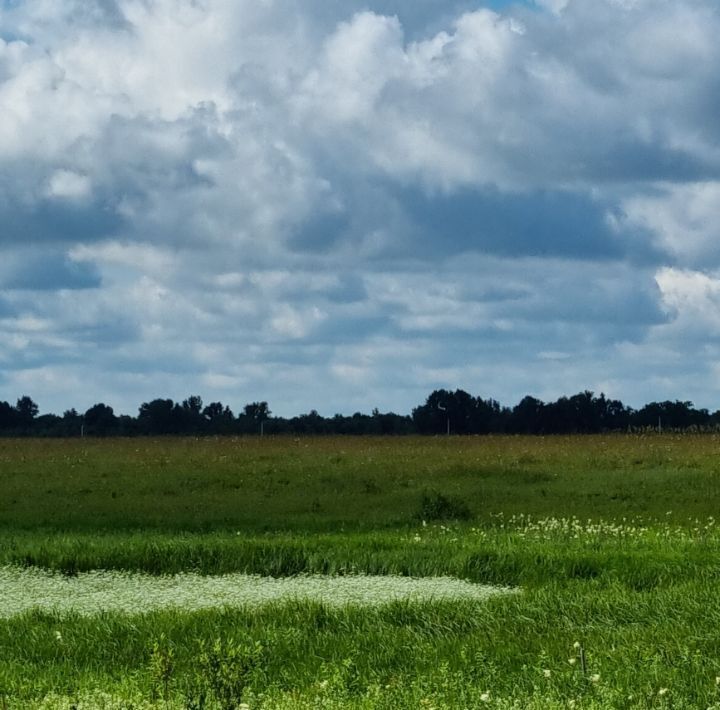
x,y
131,593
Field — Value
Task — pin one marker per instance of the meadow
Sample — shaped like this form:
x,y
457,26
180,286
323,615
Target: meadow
x,y
602,553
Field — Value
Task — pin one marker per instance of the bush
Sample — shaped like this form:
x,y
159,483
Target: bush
x,y
436,506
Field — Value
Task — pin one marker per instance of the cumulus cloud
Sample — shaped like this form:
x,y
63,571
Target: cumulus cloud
x,y
69,185
693,299
250,198
683,219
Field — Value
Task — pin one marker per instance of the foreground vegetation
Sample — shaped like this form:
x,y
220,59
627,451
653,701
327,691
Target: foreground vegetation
x,y
610,541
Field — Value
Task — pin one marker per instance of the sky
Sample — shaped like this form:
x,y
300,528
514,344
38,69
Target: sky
x,y
340,205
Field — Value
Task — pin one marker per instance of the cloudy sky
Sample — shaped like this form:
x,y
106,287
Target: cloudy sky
x,y
338,204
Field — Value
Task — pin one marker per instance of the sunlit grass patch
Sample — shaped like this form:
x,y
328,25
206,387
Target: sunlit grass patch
x,y
96,592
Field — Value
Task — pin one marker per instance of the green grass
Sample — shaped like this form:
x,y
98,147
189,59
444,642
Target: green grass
x,y
323,484
638,642
638,591
503,556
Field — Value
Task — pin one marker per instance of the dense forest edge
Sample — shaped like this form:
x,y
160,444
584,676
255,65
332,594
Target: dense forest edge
x,y
444,412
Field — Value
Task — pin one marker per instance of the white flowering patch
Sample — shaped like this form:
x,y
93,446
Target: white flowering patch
x,y
91,593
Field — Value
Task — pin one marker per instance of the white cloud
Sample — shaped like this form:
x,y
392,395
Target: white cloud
x,y
684,220
240,177
693,298
65,184
290,322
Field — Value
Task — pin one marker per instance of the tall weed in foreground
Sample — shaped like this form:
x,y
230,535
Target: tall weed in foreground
x,y
217,677
162,666
225,669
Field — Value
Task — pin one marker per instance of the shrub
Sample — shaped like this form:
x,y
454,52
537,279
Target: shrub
x,y
436,506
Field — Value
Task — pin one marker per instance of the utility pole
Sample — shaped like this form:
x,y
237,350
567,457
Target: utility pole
x,y
443,408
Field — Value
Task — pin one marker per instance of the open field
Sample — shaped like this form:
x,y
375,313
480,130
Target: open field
x,y
323,484
609,543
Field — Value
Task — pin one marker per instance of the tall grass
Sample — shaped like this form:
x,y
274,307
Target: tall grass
x,y
636,643
325,484
517,553
610,540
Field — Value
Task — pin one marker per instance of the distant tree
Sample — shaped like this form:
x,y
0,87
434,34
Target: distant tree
x,y
458,410
220,419
311,423
488,416
586,411
527,416
432,417
259,411
100,420
216,411
127,426
671,415
193,404
9,417
161,416
27,410
617,415
71,423
390,423
48,425
252,418
192,419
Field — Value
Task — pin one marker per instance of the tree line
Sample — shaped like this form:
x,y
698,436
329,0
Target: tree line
x,y
444,412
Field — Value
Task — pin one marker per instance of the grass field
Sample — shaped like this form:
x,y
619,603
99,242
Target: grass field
x,y
608,542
